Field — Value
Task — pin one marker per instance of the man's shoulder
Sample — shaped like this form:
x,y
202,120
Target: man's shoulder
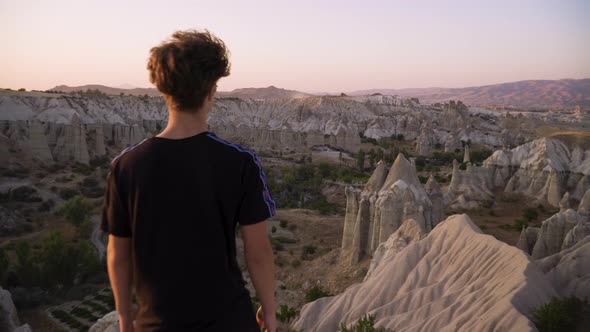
x,y
130,153
232,149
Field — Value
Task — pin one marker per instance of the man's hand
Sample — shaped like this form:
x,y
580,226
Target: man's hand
x,y
270,321
266,321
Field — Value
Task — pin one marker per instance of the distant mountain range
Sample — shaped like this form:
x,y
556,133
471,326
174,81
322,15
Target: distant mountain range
x,y
108,90
532,94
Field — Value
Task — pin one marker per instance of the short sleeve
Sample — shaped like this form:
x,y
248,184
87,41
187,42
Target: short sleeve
x,y
115,220
256,204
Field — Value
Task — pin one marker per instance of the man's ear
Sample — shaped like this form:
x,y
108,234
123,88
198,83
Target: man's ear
x,y
211,94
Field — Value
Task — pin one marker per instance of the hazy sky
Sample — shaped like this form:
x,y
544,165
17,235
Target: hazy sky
x,y
305,45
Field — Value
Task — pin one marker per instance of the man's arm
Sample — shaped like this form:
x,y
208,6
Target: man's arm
x,y
260,261
121,276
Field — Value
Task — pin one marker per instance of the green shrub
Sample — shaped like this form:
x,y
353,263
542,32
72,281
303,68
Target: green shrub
x,y
273,229
567,314
285,313
67,193
282,239
308,252
76,210
296,263
365,324
315,293
82,169
519,224
283,224
530,214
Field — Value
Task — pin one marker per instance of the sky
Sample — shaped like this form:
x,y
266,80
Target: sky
x,y
312,46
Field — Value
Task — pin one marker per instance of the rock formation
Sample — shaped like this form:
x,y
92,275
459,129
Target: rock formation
x,y
425,142
9,321
564,203
456,278
108,323
38,142
561,231
388,198
469,188
436,197
276,124
568,270
544,169
466,154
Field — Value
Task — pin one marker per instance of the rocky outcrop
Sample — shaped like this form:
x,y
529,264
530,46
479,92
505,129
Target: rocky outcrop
x,y
561,231
469,189
276,124
425,142
467,154
454,279
71,146
568,270
376,212
564,203
108,323
544,169
528,238
9,321
436,197
38,142
410,231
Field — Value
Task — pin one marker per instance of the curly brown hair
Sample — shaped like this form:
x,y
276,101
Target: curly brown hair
x,y
186,67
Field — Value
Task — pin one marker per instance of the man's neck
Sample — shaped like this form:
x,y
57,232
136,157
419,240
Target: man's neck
x,y
184,124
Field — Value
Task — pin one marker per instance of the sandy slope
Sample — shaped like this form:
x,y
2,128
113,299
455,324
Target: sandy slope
x,y
455,279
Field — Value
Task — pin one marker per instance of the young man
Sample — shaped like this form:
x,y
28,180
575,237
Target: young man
x,y
173,202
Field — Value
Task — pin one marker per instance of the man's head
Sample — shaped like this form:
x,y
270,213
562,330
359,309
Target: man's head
x,y
186,68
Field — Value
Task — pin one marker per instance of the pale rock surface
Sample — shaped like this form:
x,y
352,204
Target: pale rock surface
x,y
469,189
581,187
436,197
280,124
467,154
455,279
108,323
9,321
527,239
410,231
553,232
38,142
388,198
543,169
564,203
584,207
569,270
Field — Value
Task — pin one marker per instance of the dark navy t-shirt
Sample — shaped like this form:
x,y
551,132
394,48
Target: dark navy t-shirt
x,y
179,200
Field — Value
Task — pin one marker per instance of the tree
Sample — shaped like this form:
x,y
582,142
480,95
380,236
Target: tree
x,y
59,261
88,261
76,210
372,157
379,155
360,160
393,154
26,270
